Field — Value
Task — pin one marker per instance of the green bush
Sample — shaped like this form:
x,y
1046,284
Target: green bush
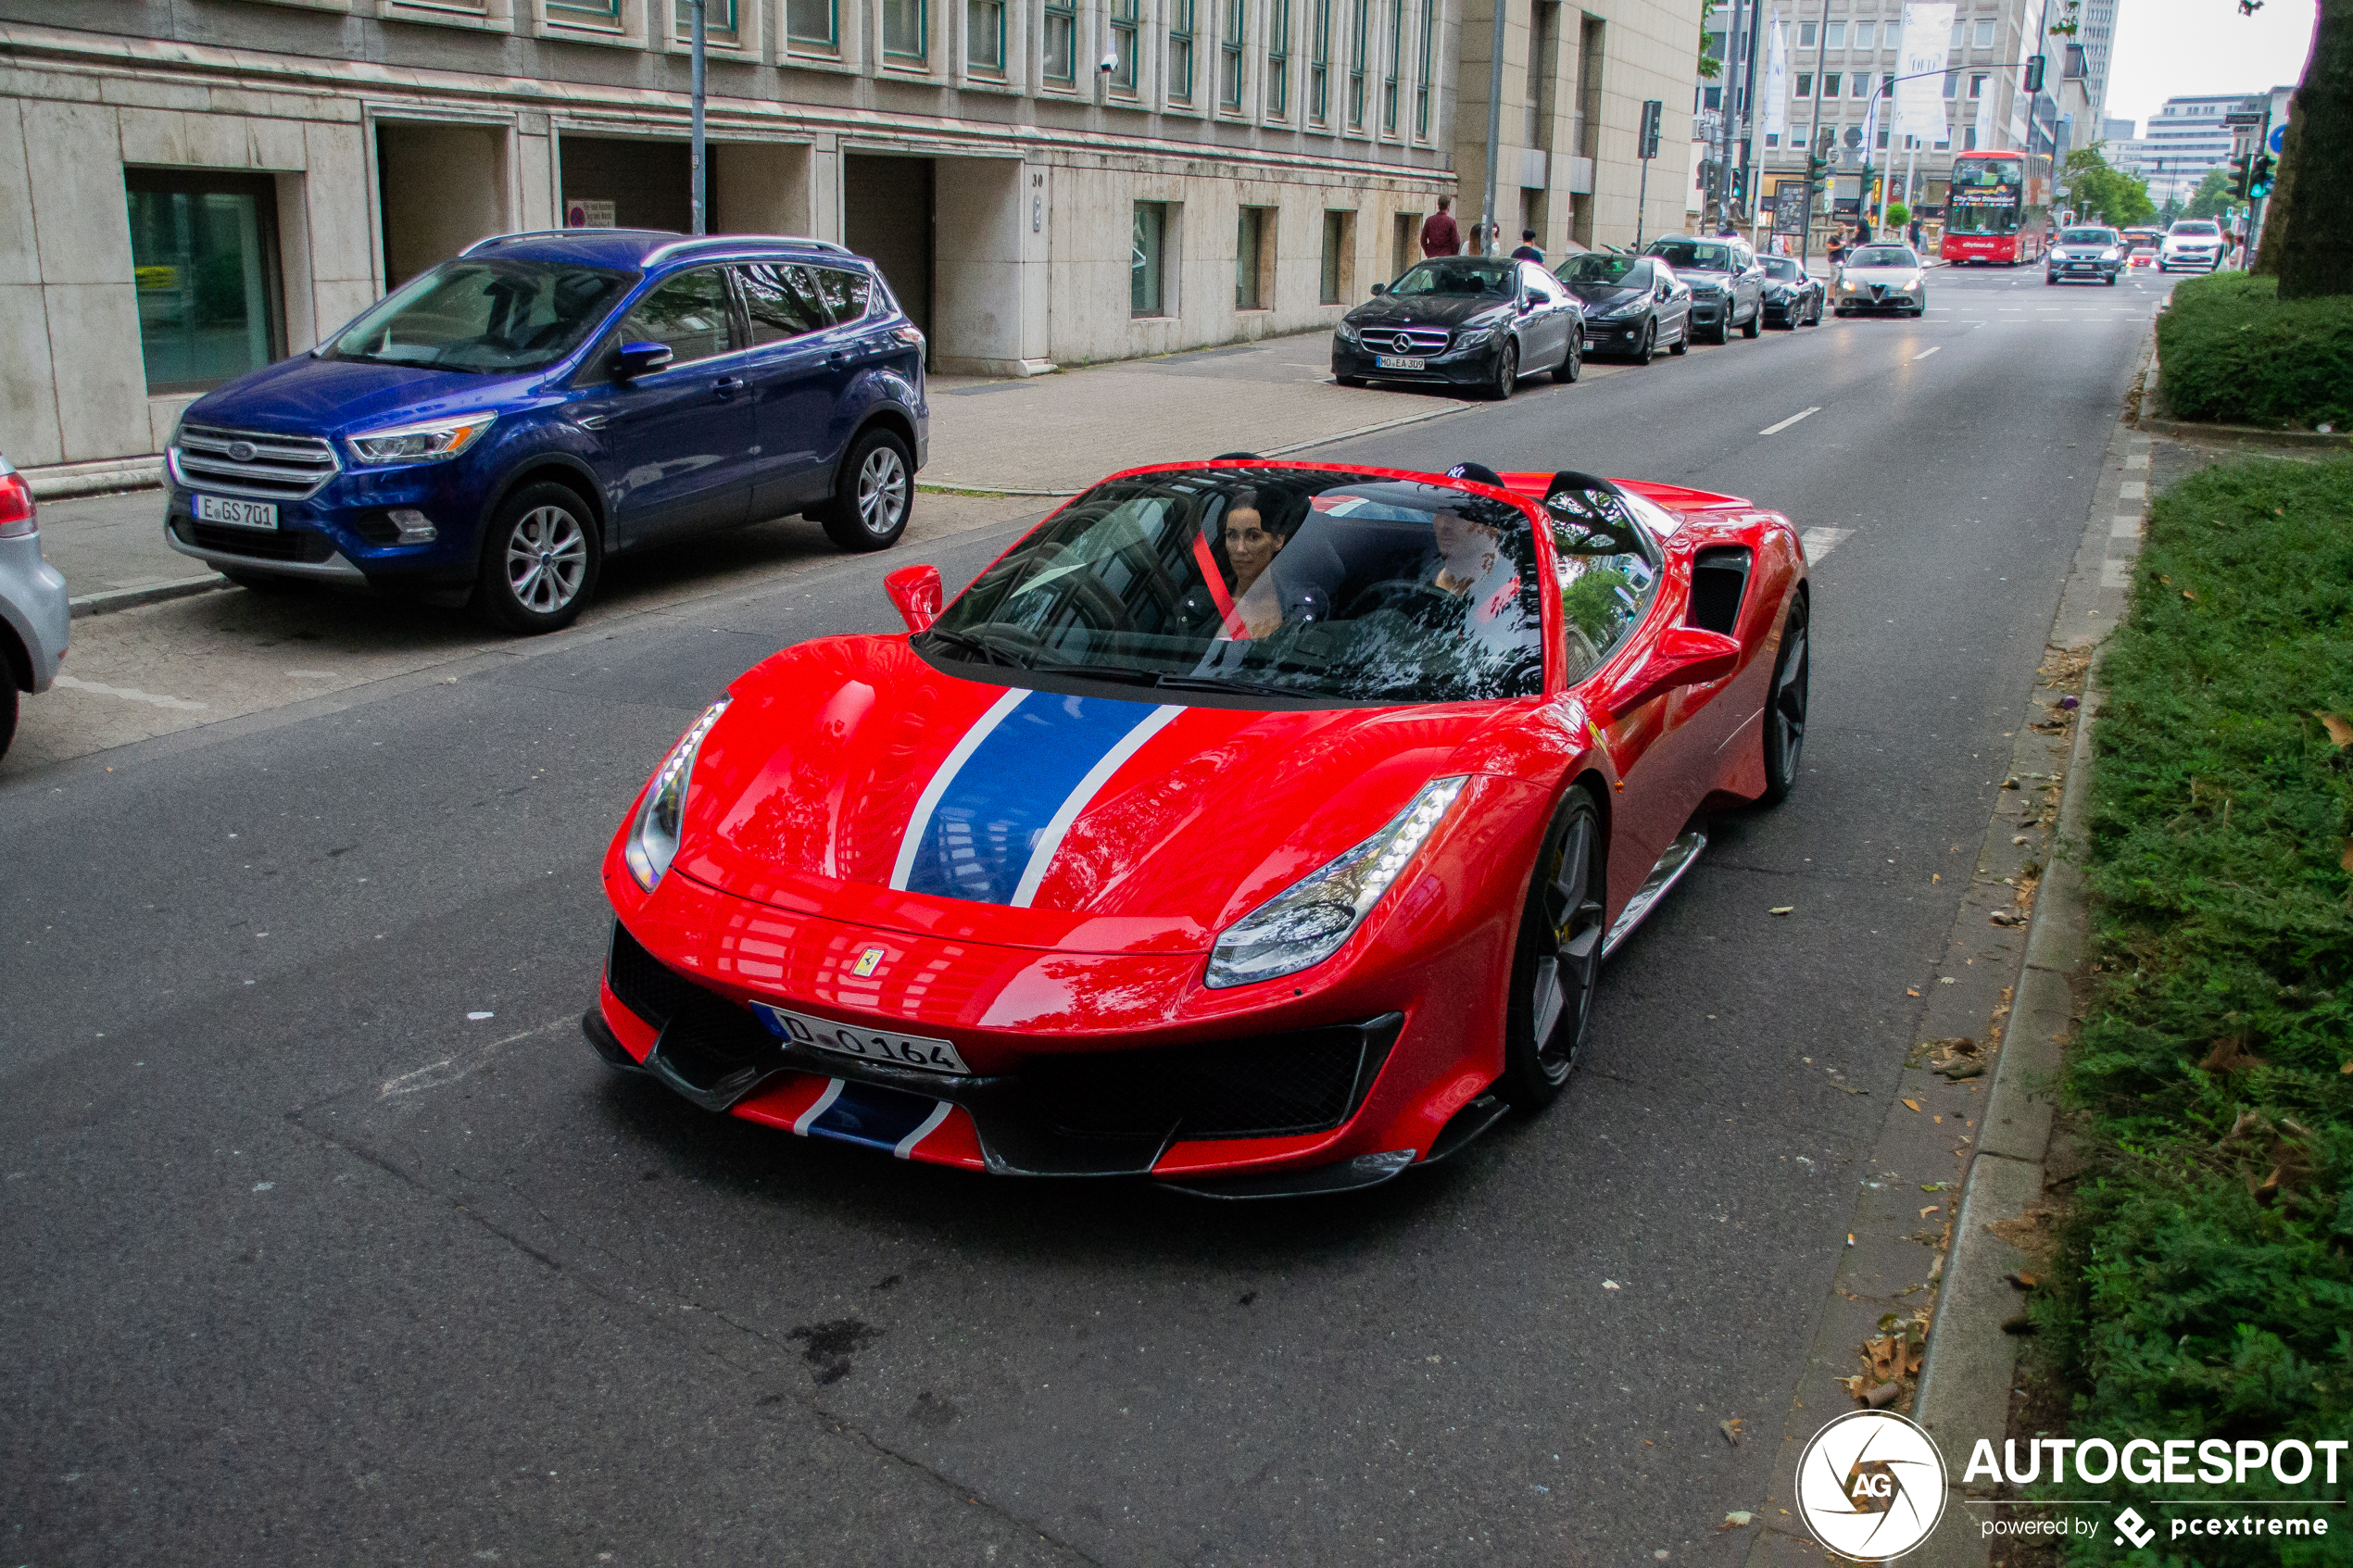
x,y
2205,1288
2231,351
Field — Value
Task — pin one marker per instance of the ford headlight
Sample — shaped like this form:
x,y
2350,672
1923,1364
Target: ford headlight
x,y
653,837
1307,921
435,441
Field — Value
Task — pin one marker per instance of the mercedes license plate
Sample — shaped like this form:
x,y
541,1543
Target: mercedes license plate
x,y
238,514
1400,362
867,1045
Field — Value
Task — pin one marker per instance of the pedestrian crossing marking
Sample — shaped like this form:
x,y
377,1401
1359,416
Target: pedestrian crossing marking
x,y
1820,542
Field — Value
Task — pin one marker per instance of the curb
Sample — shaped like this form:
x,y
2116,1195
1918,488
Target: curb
x,y
132,598
62,482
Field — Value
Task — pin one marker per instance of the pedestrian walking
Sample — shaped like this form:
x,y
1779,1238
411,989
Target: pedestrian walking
x,y
1915,234
1527,250
1440,237
1862,230
1835,252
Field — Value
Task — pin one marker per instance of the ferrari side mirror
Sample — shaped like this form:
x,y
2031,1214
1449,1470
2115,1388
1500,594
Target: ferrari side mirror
x,y
1686,656
916,590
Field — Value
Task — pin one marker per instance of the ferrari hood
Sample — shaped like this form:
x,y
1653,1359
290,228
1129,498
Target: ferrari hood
x,y
851,778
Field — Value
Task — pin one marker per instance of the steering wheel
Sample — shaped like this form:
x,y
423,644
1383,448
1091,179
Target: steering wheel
x,y
1397,593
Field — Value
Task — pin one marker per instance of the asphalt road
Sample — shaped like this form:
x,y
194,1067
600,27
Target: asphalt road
x,y
330,1240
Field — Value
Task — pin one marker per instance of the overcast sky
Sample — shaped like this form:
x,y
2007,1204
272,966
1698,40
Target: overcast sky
x,y
2169,48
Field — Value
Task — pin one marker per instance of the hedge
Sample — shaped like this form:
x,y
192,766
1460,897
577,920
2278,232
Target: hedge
x,y
2230,351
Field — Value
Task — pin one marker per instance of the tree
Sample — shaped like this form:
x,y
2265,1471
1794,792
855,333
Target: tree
x,y
2095,187
2308,230
2213,196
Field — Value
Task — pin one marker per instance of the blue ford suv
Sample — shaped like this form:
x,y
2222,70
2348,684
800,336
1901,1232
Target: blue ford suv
x,y
495,428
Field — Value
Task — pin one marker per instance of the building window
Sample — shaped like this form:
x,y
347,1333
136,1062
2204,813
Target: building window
x,y
1952,83
1124,19
906,29
1837,39
1829,83
1968,139
1858,86
1864,34
1421,79
1359,32
1254,259
1805,83
1977,86
1805,35
984,35
1278,58
1058,42
1229,54
1960,35
718,19
1986,33
204,254
1712,98
1883,141
1887,86
1319,60
605,11
1340,249
812,24
1772,138
1393,64
1181,51
1146,281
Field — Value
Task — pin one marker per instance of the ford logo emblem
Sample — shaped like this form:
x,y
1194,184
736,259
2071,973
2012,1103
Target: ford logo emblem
x,y
240,451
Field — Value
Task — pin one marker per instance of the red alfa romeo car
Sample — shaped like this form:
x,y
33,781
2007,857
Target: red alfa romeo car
x,y
1257,827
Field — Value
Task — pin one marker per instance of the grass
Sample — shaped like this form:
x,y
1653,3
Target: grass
x,y
2233,353
2204,1288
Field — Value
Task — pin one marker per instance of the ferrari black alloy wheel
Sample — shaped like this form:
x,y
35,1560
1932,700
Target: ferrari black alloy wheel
x,y
1785,716
1558,960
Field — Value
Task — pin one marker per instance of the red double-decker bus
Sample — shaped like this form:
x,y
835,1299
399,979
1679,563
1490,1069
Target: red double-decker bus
x,y
1998,209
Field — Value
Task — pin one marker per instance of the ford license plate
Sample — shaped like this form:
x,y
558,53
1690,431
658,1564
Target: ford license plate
x,y
867,1045
238,514
1400,362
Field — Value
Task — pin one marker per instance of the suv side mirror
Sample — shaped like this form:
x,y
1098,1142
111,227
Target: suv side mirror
x,y
633,359
916,590
1379,289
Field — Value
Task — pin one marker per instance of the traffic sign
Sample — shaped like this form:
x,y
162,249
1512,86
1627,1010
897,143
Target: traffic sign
x,y
2277,140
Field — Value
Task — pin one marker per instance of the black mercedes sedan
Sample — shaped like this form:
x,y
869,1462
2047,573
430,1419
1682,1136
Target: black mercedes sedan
x,y
1463,320
1635,304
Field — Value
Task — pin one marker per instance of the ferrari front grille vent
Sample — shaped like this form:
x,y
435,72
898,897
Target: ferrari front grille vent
x,y
645,985
1304,1082
1718,578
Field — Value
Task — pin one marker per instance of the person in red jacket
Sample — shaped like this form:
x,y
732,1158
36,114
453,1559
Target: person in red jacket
x,y
1440,237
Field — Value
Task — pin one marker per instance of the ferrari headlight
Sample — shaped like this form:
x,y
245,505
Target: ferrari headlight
x,y
432,443
1307,921
653,837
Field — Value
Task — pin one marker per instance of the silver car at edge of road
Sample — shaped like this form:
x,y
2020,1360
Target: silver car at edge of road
x,y
1880,277
34,614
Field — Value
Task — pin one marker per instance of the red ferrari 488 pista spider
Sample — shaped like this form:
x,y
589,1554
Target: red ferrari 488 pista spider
x,y
1257,827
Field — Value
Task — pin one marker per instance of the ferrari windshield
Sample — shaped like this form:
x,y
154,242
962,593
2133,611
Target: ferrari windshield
x,y
1459,277
1312,587
494,317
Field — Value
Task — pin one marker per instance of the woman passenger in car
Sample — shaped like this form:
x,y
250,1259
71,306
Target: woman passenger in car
x,y
1251,547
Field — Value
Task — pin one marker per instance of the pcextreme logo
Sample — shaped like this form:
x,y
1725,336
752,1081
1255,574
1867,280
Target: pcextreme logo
x,y
1870,1486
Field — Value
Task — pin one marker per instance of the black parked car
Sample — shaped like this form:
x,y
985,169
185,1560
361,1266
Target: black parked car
x,y
1793,296
1727,286
1463,320
1635,304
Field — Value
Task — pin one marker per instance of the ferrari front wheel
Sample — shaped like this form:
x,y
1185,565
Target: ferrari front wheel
x,y
1558,958
1785,710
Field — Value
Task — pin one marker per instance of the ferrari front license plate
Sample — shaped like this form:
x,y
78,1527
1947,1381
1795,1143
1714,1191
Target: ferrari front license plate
x,y
1400,362
867,1045
240,514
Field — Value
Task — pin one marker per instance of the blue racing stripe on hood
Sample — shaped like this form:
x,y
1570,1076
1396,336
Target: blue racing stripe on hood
x,y
989,818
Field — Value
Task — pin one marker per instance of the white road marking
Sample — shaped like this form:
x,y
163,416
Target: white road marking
x,y
2132,490
129,694
1820,542
1775,429
1925,352
2124,527
2116,574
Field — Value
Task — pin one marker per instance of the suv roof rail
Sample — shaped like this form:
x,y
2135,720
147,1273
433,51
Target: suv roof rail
x,y
489,239
676,246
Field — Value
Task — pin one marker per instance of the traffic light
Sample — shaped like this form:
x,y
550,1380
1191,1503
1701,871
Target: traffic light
x,y
2033,73
2242,170
1652,109
2258,175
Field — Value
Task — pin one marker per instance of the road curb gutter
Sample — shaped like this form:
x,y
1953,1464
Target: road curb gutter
x,y
153,593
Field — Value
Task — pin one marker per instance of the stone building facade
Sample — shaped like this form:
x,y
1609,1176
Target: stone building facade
x,y
205,185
